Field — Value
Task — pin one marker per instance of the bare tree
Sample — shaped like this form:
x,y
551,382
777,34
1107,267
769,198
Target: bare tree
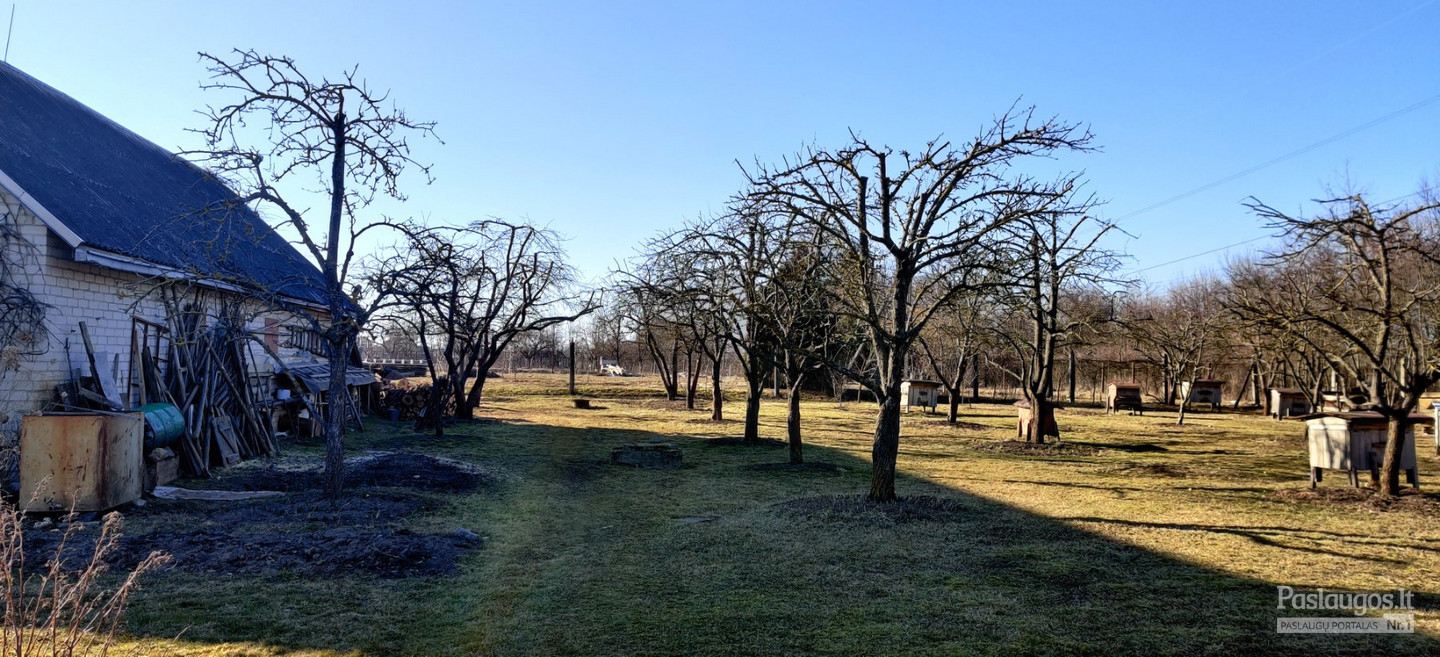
x,y
481,286
348,141
642,301
916,238
1369,278
951,345
793,310
1058,254
1177,331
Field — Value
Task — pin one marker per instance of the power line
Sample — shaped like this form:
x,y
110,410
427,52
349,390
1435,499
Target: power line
x,y
1292,154
1202,253
1344,44
1243,242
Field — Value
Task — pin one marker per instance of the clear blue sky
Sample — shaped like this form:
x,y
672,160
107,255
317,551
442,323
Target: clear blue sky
x,y
610,121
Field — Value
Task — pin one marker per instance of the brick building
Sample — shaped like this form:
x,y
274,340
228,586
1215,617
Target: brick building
x,y
95,218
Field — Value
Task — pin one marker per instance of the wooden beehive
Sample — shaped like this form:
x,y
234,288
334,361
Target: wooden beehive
x,y
919,392
1354,442
1126,396
1288,402
85,461
1024,414
1202,392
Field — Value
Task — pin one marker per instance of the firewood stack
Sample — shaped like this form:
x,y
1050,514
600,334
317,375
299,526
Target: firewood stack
x,y
411,400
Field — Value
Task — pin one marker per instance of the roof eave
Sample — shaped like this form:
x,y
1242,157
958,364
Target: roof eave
x,y
34,206
131,264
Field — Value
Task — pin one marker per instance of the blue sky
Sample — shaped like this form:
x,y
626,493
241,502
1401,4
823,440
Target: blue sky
x,y
611,121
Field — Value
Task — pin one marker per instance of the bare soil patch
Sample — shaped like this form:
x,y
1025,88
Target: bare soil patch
x,y
400,469
860,510
1408,501
1152,470
299,532
1018,447
959,424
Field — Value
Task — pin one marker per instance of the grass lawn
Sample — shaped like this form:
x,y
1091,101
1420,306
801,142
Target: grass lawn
x,y
1140,537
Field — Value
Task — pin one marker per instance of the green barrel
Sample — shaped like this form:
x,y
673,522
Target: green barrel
x,y
163,425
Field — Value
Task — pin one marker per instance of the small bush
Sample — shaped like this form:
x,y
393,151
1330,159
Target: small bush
x,y
65,606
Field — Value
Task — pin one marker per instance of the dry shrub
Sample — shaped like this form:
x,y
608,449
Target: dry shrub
x,y
66,606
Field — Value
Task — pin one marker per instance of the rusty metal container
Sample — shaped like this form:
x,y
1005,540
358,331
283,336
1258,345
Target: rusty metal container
x,y
91,461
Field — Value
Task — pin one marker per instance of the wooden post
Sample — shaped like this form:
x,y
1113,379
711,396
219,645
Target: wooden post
x,y
1071,372
572,367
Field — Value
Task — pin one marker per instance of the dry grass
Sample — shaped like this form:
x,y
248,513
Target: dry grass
x,y
1136,537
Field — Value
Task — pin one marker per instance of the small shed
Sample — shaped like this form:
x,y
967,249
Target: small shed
x,y
1288,402
1355,441
1124,396
1202,391
920,392
304,394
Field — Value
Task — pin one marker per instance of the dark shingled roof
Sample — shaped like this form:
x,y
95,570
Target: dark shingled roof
x,y
123,194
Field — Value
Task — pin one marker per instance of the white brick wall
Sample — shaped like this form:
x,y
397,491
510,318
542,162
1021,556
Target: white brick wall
x,y
106,300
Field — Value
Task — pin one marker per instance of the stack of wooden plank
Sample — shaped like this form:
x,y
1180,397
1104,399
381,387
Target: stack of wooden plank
x,y
212,379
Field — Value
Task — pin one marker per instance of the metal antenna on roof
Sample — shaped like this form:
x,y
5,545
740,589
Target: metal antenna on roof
x,y
10,30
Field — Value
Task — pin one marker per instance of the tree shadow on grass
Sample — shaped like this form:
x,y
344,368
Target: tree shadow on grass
x,y
804,565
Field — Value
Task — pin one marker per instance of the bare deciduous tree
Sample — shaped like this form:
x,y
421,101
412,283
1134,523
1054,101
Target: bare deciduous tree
x,y
1367,278
1058,256
915,229
340,136
1177,332
478,288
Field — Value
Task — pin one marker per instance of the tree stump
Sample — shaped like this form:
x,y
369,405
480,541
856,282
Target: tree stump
x,y
581,403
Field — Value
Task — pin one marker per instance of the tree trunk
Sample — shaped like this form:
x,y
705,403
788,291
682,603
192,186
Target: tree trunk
x,y
1394,447
886,447
1258,393
672,387
1042,420
717,396
465,402
1249,378
776,381
692,377
792,422
472,401
334,422
953,415
752,412
1070,372
975,379
572,367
